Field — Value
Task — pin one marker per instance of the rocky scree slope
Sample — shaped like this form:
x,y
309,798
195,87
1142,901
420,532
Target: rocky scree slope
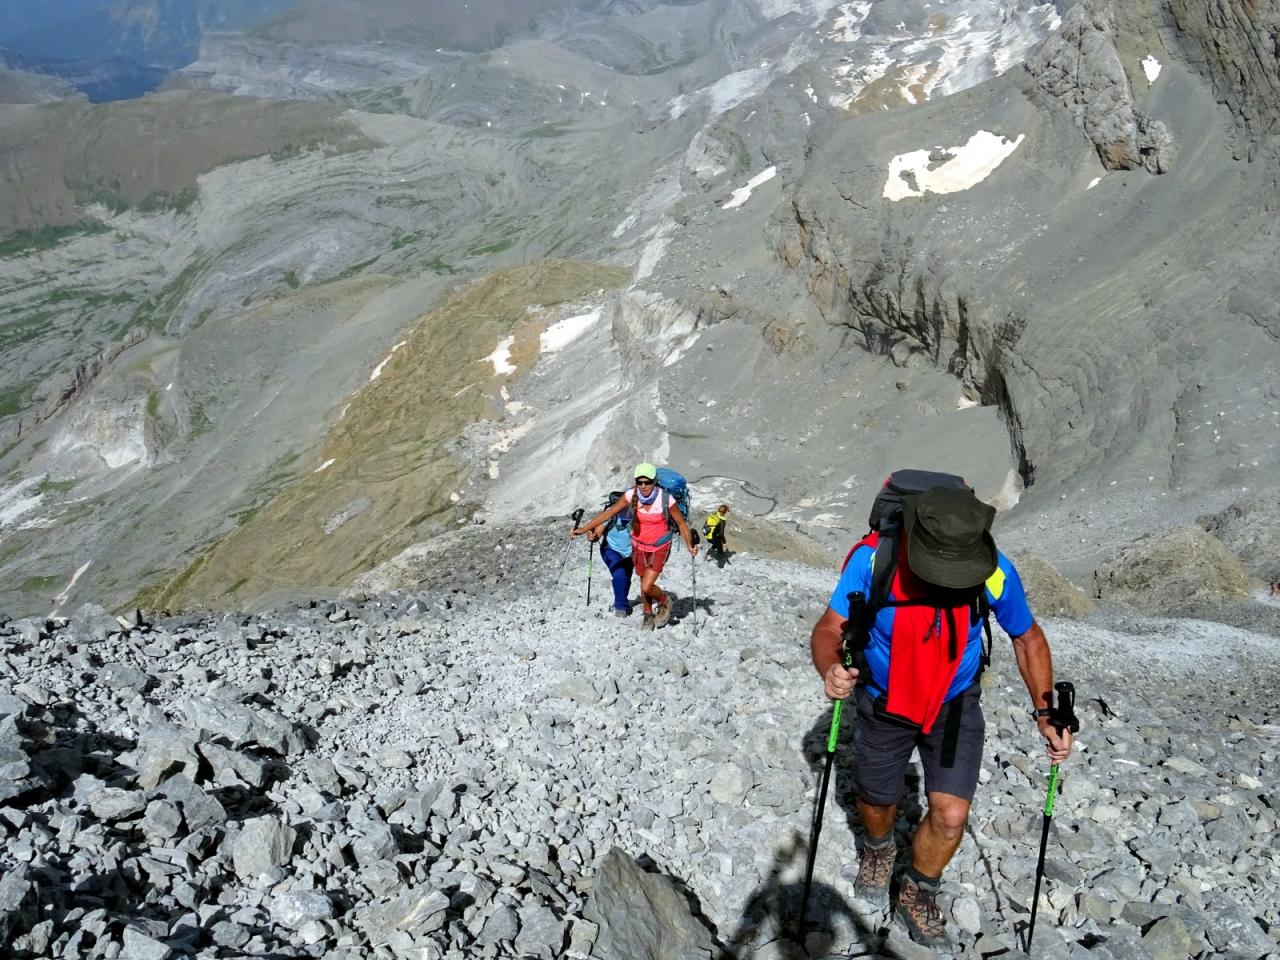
x,y
486,768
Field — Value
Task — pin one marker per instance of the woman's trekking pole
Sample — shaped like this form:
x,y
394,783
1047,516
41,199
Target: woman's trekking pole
x,y
576,517
1063,717
591,559
693,535
833,736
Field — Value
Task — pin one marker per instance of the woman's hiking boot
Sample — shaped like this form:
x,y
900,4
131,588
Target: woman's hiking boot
x,y
875,870
662,613
647,622
919,912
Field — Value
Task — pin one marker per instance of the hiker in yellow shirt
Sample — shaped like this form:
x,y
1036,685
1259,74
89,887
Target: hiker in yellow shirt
x,y
714,528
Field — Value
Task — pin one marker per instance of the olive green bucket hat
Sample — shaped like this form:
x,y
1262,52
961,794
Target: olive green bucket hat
x,y
949,542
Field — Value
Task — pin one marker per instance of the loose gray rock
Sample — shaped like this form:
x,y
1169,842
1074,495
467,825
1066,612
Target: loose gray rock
x,y
243,725
140,946
641,916
164,750
378,843
124,678
1168,939
262,843
502,926
297,908
731,784
415,912
112,804
541,933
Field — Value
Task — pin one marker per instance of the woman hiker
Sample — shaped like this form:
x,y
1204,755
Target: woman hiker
x,y
651,536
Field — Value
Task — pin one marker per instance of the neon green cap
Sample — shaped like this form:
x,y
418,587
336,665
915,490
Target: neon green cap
x,y
646,470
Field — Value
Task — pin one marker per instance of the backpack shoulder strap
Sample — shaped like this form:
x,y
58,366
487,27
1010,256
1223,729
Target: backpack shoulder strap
x,y
983,612
635,510
883,565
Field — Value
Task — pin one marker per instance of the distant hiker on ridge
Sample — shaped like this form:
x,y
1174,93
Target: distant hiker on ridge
x,y
655,517
714,528
916,593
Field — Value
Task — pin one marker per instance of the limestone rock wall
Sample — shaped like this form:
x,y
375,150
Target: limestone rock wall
x,y
1080,68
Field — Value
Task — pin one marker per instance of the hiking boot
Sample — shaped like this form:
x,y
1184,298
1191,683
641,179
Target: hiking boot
x,y
919,913
621,612
875,870
662,613
647,622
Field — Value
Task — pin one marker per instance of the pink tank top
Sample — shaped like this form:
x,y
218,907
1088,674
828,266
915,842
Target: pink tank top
x,y
654,531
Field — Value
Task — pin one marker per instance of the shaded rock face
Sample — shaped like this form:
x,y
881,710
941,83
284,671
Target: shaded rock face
x,y
641,915
1080,67
909,308
1183,571
1234,43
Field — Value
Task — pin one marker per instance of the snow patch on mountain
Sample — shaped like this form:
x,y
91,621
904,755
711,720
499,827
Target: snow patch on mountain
x,y
18,500
563,332
773,9
918,172
953,52
501,357
723,95
742,194
377,371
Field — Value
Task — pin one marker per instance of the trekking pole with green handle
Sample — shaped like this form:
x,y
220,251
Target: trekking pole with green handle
x,y
848,638
1063,717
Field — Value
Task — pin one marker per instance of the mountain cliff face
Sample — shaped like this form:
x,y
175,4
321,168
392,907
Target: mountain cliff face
x,y
1027,242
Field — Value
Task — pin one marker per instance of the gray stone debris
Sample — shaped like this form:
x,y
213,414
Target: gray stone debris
x,y
264,809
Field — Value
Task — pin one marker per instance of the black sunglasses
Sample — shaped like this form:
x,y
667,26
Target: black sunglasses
x,y
647,481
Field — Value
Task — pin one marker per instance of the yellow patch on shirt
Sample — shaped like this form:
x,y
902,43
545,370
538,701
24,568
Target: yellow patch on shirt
x,y
995,584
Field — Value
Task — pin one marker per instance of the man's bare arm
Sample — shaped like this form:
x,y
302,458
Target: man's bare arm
x,y
1035,663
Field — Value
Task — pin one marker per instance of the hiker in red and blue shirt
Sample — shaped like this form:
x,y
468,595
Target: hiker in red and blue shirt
x,y
917,685
656,520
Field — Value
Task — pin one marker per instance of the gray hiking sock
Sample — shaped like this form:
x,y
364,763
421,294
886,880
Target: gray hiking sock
x,y
922,880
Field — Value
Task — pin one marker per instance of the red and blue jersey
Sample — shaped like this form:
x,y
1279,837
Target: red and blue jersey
x,y
1005,594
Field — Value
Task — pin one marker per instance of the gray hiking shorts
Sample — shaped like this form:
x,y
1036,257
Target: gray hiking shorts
x,y
882,749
